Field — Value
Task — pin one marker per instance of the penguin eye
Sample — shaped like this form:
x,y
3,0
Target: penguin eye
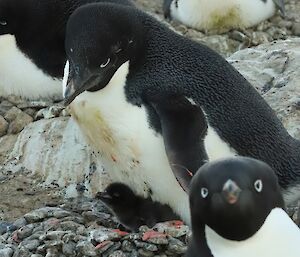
x,y
3,23
204,192
105,63
258,185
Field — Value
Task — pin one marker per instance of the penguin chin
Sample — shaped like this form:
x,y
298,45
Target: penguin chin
x,y
239,221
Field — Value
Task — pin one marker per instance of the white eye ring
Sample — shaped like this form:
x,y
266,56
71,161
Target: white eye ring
x,y
258,185
105,63
204,192
3,23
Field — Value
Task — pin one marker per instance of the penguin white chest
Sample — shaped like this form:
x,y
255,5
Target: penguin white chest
x,y
278,237
131,151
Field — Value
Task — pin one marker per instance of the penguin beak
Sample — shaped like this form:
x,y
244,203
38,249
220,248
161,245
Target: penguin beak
x,y
86,81
280,6
103,196
231,191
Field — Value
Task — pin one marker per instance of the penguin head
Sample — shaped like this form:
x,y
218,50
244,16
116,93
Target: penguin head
x,y
117,195
7,17
234,196
99,39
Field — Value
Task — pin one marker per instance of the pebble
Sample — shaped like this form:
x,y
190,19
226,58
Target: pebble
x,y
6,226
22,119
31,245
6,252
86,248
296,29
69,248
5,106
118,253
172,228
12,114
49,112
3,126
25,231
176,246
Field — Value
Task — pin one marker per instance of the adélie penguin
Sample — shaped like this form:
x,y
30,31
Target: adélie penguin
x,y
132,210
32,54
220,15
237,210
157,106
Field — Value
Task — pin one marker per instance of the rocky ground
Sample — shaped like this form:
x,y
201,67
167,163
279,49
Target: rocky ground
x,y
82,226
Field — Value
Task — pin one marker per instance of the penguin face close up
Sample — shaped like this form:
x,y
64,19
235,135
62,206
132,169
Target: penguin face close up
x,y
95,54
234,196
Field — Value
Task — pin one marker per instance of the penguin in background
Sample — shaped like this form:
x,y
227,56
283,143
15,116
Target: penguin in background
x,y
157,106
219,15
237,210
32,54
132,210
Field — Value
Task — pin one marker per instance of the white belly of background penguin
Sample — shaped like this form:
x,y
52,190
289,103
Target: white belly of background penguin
x,y
221,15
154,103
20,76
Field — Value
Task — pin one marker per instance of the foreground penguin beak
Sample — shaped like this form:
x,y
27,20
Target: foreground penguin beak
x,y
231,191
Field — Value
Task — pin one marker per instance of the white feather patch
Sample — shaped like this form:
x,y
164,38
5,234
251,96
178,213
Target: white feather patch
x,y
20,76
278,237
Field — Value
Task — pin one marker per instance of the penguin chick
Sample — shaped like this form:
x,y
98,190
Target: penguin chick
x,y
132,210
237,210
219,15
32,54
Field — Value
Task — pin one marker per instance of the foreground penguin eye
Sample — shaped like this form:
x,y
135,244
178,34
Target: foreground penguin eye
x,y
3,23
258,185
204,192
105,63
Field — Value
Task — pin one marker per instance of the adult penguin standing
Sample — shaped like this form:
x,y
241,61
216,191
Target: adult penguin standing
x,y
154,103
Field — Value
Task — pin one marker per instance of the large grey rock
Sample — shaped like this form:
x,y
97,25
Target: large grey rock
x,y
274,70
55,150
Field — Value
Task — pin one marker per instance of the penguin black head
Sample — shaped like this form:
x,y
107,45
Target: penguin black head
x,y
99,39
125,204
117,195
234,196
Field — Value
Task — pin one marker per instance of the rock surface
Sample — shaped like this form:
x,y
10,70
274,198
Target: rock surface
x,y
274,70
66,231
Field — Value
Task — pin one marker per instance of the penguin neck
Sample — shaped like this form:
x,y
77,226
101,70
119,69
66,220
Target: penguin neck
x,y
199,243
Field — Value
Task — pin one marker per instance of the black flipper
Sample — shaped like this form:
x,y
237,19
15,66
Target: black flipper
x,y
166,8
280,6
183,127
